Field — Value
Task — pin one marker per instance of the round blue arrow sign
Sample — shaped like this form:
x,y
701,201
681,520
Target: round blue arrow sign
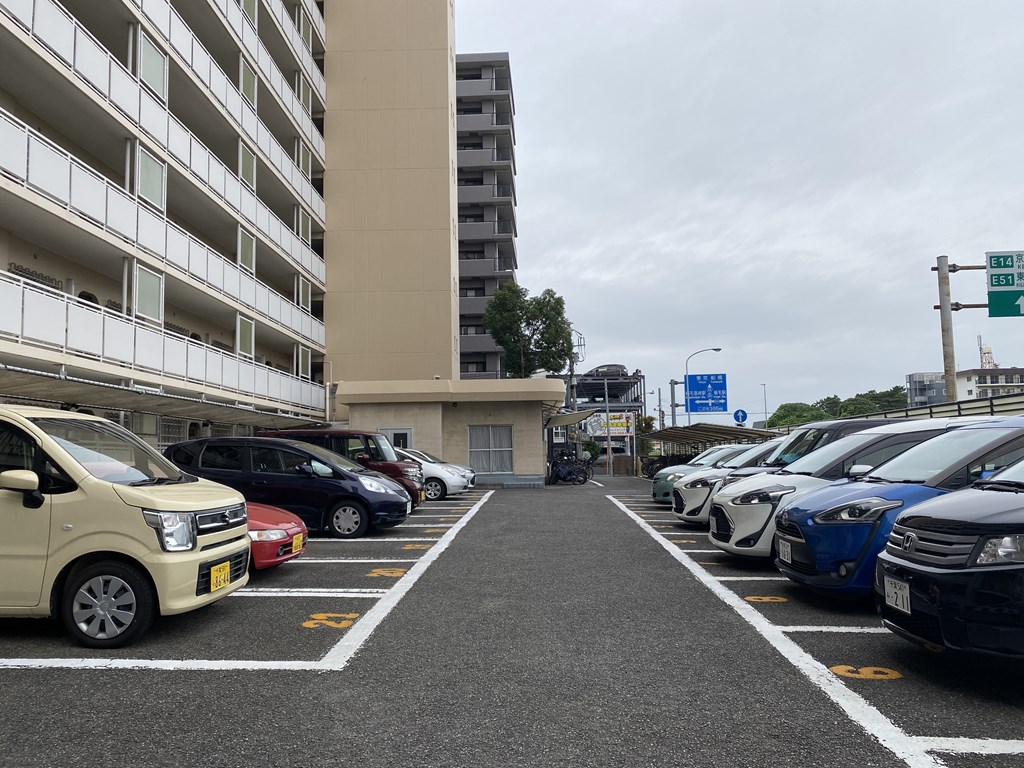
x,y
740,416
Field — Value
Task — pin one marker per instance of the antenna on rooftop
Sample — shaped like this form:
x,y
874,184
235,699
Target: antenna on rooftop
x,y
987,361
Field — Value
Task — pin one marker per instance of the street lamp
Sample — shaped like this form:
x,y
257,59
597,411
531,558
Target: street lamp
x,y
764,391
686,380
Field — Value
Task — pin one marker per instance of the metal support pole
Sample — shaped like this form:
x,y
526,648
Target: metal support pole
x,y
764,391
608,431
672,398
946,326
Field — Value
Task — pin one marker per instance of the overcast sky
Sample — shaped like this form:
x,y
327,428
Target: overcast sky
x,y
772,177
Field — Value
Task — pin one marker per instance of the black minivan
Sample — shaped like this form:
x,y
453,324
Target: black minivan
x,y
326,490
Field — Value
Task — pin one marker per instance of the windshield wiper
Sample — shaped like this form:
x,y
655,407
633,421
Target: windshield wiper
x,y
1016,486
156,481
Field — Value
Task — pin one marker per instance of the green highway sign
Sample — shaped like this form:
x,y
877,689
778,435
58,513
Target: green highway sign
x,y
1005,277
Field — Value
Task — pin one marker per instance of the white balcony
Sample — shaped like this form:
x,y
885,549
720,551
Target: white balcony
x,y
40,165
35,315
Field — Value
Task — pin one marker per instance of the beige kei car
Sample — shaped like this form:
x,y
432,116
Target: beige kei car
x,y
103,531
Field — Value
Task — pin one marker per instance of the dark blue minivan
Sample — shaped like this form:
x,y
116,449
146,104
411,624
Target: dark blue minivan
x,y
326,490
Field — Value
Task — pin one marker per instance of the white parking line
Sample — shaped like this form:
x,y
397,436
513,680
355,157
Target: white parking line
x,y
427,525
600,485
973,746
382,540
746,578
850,630
905,747
305,560
335,659
274,592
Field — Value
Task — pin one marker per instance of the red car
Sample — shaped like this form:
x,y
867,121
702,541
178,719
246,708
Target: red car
x,y
276,535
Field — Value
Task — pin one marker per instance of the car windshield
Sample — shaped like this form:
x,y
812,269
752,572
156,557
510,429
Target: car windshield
x,y
748,457
707,459
110,452
333,458
381,449
429,456
822,458
924,461
1013,473
800,443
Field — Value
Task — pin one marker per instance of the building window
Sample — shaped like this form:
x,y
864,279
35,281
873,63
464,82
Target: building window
x,y
246,336
151,181
490,448
982,380
304,26
153,67
970,393
558,434
249,6
303,363
304,294
304,92
246,251
303,158
473,367
246,165
149,289
303,225
246,81
472,330
470,292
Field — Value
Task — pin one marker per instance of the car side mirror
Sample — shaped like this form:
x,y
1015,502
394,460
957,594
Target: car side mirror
x,y
859,470
362,458
26,481
305,469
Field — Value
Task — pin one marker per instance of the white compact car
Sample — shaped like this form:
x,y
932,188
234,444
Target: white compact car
x,y
439,479
691,496
742,514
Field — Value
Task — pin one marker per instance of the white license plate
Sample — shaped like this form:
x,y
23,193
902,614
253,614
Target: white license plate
x,y
897,594
408,508
785,551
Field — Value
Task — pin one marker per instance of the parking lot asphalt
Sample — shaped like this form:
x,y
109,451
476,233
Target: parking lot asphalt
x,y
565,626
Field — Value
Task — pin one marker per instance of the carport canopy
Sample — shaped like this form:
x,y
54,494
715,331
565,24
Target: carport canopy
x,y
709,434
568,419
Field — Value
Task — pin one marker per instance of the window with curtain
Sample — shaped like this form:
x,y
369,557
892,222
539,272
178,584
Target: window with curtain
x,y
304,362
246,250
303,225
246,81
148,294
490,448
150,182
305,296
303,158
153,67
246,336
249,6
246,165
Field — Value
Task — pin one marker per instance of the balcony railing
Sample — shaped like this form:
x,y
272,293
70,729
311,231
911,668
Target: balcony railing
x,y
38,164
487,193
87,58
484,86
484,230
35,315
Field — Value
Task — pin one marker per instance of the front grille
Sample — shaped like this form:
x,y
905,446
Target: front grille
x,y
922,625
239,564
805,568
920,546
216,520
721,527
789,529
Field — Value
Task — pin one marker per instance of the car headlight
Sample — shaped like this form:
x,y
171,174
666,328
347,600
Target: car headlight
x,y
375,486
176,531
729,480
1002,550
860,511
675,476
272,535
769,495
700,482
413,474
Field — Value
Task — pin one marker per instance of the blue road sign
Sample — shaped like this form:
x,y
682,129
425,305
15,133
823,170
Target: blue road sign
x,y
705,393
740,416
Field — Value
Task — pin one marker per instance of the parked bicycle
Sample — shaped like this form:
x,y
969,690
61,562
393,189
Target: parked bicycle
x,y
565,468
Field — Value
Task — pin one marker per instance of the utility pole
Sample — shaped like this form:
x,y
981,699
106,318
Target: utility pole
x,y
946,309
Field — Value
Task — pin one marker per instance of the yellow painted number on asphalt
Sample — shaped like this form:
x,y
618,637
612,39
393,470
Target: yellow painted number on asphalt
x,y
765,599
393,572
330,620
866,673
434,530
417,546
682,541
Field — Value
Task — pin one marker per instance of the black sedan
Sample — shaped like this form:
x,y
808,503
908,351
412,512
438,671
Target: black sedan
x,y
326,490
952,573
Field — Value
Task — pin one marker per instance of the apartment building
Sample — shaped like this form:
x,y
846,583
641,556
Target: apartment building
x,y
162,211
485,123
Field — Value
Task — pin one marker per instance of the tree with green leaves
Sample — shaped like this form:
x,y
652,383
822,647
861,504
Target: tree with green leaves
x,y
533,331
796,413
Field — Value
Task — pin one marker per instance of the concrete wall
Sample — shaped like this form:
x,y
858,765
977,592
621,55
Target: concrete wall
x,y
391,306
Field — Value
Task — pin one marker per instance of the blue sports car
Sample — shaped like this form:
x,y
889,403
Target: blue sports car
x,y
829,538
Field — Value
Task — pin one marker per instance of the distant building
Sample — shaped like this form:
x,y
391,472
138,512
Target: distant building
x,y
981,383
925,389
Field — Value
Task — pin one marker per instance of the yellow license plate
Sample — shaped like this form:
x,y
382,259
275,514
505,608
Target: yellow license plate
x,y
220,576
297,543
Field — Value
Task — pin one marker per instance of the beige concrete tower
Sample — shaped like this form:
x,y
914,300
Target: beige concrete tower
x,y
391,307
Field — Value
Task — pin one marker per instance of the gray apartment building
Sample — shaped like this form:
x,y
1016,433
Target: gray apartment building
x,y
485,123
